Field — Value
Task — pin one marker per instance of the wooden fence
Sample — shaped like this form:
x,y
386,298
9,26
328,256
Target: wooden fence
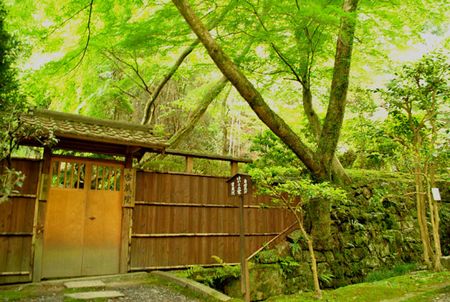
x,y
16,226
184,219
177,220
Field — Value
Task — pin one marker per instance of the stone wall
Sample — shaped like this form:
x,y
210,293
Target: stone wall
x,y
376,229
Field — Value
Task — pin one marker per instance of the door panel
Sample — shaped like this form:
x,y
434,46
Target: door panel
x,y
63,236
83,219
102,233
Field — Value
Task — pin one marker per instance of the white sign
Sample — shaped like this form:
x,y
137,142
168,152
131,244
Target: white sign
x,y
436,194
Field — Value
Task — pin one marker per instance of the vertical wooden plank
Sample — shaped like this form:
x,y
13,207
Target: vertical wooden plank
x,y
40,212
36,242
128,204
234,168
189,164
124,264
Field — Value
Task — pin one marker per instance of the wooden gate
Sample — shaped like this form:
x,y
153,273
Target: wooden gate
x,y
83,220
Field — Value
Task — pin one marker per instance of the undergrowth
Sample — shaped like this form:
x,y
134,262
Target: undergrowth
x,y
397,270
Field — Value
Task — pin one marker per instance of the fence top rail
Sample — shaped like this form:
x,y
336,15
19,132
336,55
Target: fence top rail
x,y
207,156
182,174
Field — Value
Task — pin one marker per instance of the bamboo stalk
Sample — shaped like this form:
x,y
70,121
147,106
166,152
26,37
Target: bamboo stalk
x,y
14,273
206,205
19,195
169,235
15,234
170,267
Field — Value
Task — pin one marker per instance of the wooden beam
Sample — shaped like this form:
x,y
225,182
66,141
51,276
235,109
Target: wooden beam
x,y
129,161
203,205
15,234
14,273
234,167
206,156
189,164
171,235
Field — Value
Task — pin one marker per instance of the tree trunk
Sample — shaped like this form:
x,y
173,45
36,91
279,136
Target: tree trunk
x,y
434,204
225,123
150,104
298,214
434,217
421,212
338,95
209,96
338,172
249,92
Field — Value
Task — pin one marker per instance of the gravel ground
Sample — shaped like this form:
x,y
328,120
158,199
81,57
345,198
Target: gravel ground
x,y
133,288
151,293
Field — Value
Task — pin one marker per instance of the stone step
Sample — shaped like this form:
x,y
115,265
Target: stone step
x,y
84,284
95,295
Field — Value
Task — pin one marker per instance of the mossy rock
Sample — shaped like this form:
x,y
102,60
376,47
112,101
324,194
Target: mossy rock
x,y
266,281
267,257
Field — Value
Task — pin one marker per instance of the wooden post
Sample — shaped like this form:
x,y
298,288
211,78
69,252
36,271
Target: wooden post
x,y
39,215
247,282
234,167
242,245
189,164
127,216
129,161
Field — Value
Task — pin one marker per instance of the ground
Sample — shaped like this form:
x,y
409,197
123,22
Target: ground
x,y
420,286
135,287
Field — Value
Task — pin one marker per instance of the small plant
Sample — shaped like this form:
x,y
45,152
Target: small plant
x,y
326,278
288,265
10,180
295,248
398,270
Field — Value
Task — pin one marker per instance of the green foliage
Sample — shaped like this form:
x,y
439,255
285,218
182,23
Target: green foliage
x,y
417,100
214,277
272,152
10,180
289,265
277,172
397,270
277,181
421,286
326,278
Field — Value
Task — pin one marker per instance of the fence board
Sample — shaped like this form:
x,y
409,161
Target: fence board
x,y
16,226
181,220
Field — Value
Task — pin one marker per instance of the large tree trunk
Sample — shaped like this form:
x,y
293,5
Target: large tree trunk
x,y
248,91
263,111
339,174
338,95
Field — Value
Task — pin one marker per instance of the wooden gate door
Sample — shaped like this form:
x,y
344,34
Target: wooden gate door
x,y
83,218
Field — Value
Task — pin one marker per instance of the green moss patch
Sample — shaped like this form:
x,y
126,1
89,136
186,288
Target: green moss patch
x,y
416,286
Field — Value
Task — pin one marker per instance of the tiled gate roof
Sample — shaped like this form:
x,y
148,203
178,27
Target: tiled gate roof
x,y
67,126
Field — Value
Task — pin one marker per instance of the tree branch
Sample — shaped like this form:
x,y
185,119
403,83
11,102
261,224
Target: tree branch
x,y
177,64
275,48
338,95
55,28
88,27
